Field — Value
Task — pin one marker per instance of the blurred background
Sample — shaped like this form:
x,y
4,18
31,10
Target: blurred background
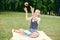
x,y
47,7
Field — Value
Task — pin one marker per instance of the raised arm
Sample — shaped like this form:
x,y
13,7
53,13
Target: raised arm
x,y
32,10
27,18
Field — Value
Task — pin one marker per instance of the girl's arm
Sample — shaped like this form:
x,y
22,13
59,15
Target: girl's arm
x,y
27,18
32,10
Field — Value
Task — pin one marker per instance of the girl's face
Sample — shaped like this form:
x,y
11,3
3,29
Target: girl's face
x,y
37,13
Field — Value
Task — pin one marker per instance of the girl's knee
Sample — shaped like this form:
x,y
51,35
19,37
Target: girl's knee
x,y
13,30
21,29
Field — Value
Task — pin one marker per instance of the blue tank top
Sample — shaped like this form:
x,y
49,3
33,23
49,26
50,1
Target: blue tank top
x,y
33,26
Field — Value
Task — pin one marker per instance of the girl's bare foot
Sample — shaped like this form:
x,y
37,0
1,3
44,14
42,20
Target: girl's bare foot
x,y
21,31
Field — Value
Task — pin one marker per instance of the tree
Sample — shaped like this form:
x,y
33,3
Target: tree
x,y
43,5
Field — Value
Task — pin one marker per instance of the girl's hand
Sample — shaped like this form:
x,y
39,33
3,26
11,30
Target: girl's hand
x,y
32,9
25,9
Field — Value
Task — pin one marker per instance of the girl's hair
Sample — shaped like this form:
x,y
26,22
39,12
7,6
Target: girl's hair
x,y
38,12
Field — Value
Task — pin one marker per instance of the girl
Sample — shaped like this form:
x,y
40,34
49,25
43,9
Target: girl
x,y
34,20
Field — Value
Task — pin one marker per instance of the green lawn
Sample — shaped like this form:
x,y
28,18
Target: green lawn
x,y
10,20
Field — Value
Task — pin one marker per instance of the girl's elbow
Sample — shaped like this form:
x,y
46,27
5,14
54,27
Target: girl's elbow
x,y
26,18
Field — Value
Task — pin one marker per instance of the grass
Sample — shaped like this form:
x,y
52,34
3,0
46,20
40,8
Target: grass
x,y
16,20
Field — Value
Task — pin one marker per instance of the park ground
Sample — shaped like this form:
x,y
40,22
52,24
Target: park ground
x,y
16,20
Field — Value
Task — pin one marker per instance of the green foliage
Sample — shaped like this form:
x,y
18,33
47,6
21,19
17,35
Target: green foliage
x,y
43,5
